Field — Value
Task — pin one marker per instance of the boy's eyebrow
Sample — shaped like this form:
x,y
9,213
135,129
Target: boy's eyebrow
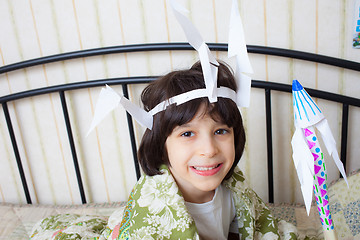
x,y
185,125
188,124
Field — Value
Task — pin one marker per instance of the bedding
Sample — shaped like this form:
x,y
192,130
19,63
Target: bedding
x,y
18,220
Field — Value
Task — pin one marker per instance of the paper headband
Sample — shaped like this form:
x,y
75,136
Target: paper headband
x,y
109,99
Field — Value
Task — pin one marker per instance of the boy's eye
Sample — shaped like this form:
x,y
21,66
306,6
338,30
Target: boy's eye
x,y
187,134
221,131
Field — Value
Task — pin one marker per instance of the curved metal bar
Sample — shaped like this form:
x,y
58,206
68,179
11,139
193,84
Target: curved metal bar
x,y
311,57
313,92
145,79
181,46
74,86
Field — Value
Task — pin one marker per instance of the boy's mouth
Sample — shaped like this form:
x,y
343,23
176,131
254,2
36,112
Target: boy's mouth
x,y
207,170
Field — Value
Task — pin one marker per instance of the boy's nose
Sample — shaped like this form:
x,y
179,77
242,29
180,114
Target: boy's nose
x,y
208,147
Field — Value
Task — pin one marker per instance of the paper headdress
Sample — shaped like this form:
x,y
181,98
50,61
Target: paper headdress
x,y
109,99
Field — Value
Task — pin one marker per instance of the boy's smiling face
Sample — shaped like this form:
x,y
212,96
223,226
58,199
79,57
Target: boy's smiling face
x,y
201,153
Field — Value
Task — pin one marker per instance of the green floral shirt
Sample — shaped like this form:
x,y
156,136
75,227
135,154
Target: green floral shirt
x,y
156,210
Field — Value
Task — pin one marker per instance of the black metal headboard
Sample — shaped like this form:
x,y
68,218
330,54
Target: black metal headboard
x,y
267,86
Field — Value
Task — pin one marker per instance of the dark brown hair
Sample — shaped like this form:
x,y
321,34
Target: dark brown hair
x,y
152,152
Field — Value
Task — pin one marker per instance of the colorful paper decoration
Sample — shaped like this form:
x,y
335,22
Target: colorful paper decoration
x,y
308,157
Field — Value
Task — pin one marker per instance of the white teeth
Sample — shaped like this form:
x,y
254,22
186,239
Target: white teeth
x,y
204,168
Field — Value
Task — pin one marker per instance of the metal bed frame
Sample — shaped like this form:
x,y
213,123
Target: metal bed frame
x,y
125,81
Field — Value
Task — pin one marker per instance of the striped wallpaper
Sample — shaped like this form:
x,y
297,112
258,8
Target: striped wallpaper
x,y
35,28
